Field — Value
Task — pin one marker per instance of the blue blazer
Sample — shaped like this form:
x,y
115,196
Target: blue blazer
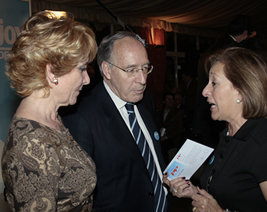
x,y
123,182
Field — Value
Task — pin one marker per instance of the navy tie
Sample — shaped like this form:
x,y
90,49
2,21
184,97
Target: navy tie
x,y
142,144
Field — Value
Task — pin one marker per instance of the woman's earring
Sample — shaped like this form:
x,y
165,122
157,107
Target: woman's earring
x,y
238,101
55,81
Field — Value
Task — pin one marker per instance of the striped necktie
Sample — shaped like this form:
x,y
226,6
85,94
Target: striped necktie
x,y
142,144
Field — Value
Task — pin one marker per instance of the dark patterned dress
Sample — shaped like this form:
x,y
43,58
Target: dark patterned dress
x,y
45,169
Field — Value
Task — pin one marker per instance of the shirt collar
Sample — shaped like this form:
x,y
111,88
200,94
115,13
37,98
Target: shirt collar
x,y
233,38
117,100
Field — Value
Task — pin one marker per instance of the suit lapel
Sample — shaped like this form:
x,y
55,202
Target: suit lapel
x,y
118,128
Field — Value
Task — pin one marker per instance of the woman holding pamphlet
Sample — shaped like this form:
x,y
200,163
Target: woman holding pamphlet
x,y
236,177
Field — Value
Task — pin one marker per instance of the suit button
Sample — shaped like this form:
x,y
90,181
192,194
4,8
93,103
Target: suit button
x,y
151,194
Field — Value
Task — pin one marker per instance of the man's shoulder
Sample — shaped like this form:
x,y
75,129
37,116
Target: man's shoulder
x,y
86,103
147,101
93,97
223,41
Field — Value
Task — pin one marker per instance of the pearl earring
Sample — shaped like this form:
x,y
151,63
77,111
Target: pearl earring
x,y
55,81
238,101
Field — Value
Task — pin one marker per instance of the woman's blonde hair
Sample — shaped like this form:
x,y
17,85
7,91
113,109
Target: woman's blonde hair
x,y
46,40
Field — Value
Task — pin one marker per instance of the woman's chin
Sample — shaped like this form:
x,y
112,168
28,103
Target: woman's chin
x,y
214,117
72,101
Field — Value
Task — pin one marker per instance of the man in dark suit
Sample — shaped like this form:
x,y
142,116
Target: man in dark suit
x,y
237,33
101,126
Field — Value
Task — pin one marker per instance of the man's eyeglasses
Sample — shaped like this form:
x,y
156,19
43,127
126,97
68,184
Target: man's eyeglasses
x,y
132,71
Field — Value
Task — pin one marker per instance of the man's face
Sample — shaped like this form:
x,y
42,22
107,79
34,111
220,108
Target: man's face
x,y
245,35
127,53
169,100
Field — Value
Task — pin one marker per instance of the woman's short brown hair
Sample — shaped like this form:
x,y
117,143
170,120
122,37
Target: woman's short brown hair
x,y
45,39
247,71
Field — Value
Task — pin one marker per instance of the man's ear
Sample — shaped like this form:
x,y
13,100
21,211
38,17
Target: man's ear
x,y
106,70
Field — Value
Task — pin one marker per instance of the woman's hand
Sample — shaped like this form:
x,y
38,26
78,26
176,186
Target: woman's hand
x,y
180,187
204,202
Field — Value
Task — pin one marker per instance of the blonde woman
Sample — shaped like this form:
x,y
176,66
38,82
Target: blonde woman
x,y
44,169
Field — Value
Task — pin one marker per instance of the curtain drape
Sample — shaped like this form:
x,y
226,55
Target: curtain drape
x,y
205,17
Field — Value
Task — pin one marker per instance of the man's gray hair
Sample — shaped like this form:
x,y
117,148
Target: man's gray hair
x,y
105,48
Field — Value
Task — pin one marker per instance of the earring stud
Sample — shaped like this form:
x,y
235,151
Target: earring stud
x,y
238,101
55,81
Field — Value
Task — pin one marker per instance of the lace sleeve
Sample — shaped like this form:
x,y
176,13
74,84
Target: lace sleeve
x,y
30,170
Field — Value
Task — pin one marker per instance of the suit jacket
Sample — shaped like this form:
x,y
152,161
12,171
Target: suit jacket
x,y
223,42
173,125
123,182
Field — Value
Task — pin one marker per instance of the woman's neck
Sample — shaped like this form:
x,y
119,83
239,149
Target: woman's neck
x,y
40,109
234,126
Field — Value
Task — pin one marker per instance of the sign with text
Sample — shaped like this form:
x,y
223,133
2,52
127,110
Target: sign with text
x,y
13,13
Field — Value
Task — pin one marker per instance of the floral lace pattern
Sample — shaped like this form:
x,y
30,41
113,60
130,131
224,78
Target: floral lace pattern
x,y
45,169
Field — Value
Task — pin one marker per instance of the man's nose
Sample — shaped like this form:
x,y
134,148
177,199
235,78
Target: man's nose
x,y
141,77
